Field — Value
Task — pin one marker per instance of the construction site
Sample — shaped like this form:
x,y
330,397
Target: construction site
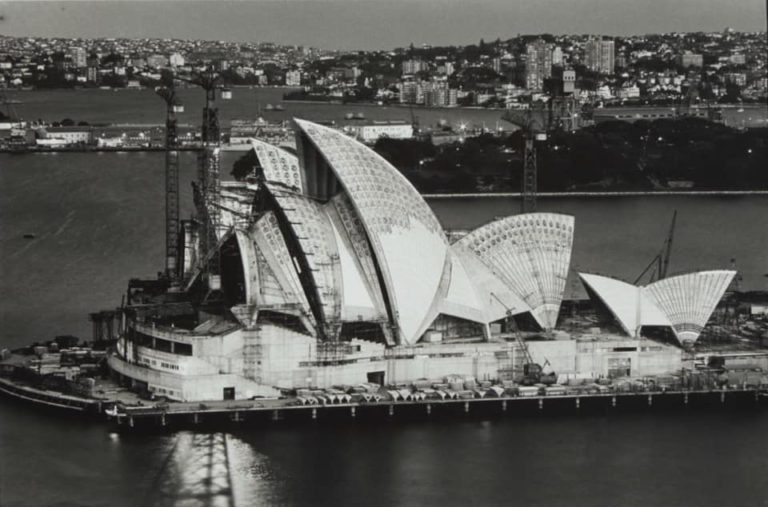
x,y
323,279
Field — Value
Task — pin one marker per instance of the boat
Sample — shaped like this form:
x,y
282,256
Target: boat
x,y
30,235
269,107
279,107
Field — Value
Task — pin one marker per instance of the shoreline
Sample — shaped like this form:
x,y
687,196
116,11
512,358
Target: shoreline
x,y
485,405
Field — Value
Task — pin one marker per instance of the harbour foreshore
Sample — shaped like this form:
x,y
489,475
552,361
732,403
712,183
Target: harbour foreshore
x,y
408,403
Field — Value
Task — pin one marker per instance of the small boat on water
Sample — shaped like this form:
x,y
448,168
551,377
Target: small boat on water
x,y
279,107
269,107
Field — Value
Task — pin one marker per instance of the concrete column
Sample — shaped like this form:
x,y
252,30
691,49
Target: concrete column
x,y
173,347
504,406
195,418
466,407
162,420
130,421
541,403
722,397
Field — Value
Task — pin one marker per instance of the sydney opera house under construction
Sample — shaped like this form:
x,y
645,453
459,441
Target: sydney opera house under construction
x,y
328,268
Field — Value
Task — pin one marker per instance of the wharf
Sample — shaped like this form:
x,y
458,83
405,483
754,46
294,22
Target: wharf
x,y
175,416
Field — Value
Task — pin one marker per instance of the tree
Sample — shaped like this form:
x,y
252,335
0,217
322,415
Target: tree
x,y
245,166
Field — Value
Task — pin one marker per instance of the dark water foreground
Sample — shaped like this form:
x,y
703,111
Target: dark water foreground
x,y
664,458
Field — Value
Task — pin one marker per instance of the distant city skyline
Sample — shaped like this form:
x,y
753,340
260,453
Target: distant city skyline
x,y
372,24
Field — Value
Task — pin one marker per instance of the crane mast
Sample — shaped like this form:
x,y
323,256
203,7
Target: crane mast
x,y
173,106
209,182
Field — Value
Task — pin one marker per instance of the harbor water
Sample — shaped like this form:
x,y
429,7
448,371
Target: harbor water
x,y
94,220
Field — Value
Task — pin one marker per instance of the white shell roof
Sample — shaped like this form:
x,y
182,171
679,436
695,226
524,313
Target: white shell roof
x,y
628,303
531,253
278,165
683,302
689,300
488,287
270,245
407,239
315,234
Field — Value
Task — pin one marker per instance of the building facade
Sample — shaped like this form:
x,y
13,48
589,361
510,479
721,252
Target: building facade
x,y
538,64
599,55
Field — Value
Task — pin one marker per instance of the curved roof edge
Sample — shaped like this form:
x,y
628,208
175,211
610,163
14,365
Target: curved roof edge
x,y
531,253
408,243
690,299
683,303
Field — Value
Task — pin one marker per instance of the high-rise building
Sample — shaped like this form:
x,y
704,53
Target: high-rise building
x,y
599,55
411,67
411,92
538,64
78,57
92,74
557,56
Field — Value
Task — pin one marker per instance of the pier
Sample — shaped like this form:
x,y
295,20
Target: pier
x,y
278,412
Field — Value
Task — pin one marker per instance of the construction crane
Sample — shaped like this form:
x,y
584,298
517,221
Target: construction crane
x,y
533,373
660,263
208,187
530,171
173,106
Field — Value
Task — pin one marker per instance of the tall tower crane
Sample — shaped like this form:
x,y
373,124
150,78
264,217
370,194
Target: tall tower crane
x,y
208,188
530,171
173,106
531,135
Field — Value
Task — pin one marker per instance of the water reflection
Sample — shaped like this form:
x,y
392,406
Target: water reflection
x,y
196,473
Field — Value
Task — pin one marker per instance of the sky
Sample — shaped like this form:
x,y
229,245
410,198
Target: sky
x,y
371,24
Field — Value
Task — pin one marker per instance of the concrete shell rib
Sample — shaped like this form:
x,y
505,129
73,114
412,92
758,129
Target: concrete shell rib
x,y
278,165
531,253
407,239
689,300
314,232
278,266
628,303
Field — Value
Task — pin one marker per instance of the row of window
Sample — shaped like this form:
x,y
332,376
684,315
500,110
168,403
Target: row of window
x,y
152,362
181,349
162,390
